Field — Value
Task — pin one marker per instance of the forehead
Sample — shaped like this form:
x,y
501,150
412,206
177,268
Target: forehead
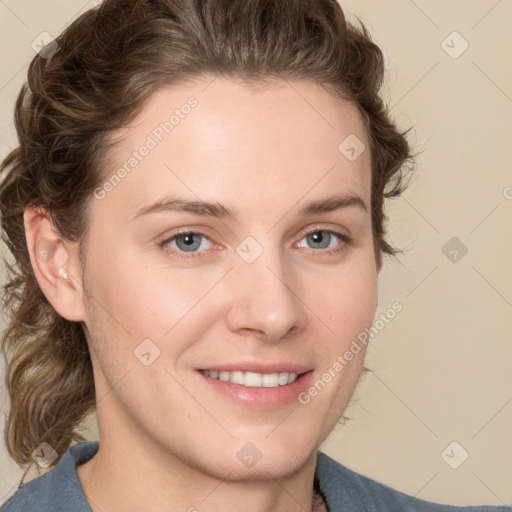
x,y
227,138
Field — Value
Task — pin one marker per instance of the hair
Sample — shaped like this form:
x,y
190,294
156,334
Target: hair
x,y
97,77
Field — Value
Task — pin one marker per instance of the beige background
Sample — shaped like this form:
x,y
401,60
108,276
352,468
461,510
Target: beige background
x,y
442,365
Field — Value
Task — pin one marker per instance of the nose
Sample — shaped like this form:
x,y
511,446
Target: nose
x,y
266,298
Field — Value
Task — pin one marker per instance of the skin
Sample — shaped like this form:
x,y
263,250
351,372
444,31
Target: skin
x,y
168,441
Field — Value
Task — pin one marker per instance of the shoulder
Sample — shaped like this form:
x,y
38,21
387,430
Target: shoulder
x,y
345,489
58,490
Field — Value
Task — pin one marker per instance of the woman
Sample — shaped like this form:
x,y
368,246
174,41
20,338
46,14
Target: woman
x,y
196,213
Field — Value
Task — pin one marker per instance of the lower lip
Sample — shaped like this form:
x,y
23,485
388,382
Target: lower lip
x,y
261,398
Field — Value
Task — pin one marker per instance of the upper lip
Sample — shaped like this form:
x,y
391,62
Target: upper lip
x,y
257,367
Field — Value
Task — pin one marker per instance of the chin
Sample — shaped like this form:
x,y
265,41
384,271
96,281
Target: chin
x,y
266,458
270,466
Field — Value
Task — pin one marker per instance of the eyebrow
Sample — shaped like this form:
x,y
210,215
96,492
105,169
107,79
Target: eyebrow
x,y
218,210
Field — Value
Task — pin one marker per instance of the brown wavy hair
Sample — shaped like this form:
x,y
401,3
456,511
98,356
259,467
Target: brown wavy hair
x,y
95,79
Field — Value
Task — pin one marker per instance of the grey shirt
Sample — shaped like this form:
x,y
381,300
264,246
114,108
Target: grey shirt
x,y
343,490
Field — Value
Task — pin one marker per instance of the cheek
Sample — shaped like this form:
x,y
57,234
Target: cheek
x,y
133,301
347,305
352,311
348,310
146,299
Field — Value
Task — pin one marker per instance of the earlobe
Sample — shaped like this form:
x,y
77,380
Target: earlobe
x,y
55,263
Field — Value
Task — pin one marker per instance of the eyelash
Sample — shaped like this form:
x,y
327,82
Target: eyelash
x,y
345,239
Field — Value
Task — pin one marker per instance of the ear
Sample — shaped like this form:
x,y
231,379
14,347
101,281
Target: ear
x,y
56,264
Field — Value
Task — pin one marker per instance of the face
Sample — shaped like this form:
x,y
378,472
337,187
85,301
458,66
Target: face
x,y
259,284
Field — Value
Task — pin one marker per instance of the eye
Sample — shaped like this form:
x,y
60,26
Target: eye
x,y
325,239
192,244
186,242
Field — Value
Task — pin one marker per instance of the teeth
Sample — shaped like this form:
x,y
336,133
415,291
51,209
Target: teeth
x,y
292,377
237,377
270,380
283,378
252,379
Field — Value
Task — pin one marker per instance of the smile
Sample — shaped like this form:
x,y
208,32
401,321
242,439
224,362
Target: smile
x,y
253,379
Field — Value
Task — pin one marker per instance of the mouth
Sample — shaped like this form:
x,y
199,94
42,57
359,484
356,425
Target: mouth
x,y
253,379
257,390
